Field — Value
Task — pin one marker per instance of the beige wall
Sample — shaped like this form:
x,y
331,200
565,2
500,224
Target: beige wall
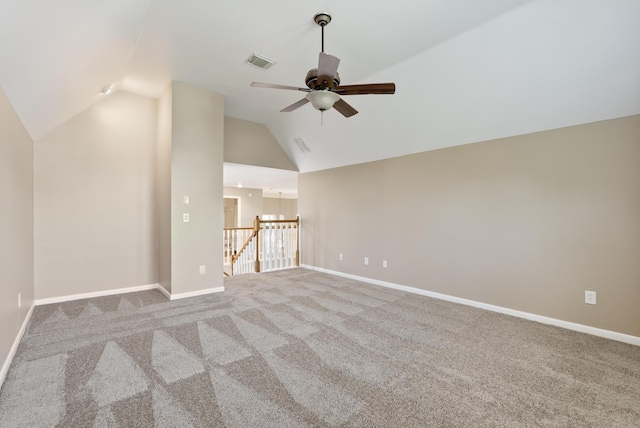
x,y
95,226
163,188
250,206
527,223
16,225
250,143
197,142
285,206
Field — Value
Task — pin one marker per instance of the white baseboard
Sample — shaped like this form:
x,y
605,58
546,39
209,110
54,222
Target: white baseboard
x,y
167,294
164,291
14,347
620,337
71,297
196,293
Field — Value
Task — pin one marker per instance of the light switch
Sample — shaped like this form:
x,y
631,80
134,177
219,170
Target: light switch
x,y
185,218
185,199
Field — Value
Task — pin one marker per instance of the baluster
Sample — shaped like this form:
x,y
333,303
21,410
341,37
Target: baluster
x,y
289,241
284,238
234,243
272,227
285,245
265,241
292,243
297,255
276,250
270,245
274,245
281,245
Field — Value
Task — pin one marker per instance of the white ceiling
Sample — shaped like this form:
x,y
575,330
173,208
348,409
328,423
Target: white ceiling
x,y
465,70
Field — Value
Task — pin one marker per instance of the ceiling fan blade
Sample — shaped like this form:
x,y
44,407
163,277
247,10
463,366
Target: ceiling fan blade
x,y
295,105
371,88
343,107
328,65
269,85
327,70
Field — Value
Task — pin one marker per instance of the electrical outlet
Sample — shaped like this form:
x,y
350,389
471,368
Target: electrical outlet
x,y
19,300
384,264
340,257
366,260
203,270
590,297
185,218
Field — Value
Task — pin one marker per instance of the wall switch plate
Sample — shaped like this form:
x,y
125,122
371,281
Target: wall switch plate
x,y
185,199
340,257
590,297
203,270
366,260
19,300
384,264
185,218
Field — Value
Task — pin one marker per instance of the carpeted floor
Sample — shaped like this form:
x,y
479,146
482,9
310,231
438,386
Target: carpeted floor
x,y
298,348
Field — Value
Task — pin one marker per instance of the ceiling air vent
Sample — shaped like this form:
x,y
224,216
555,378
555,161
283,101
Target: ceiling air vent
x,y
301,145
260,61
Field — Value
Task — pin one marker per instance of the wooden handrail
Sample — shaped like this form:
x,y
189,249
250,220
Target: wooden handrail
x,y
278,221
237,255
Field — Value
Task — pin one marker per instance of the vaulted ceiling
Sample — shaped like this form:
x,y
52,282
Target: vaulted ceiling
x,y
465,70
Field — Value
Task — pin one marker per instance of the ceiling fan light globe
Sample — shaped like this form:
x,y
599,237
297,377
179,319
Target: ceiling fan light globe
x,y
322,100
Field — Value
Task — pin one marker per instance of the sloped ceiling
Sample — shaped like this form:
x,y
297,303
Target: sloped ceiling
x,y
465,70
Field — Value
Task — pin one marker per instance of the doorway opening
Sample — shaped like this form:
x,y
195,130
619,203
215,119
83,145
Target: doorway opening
x,y
231,212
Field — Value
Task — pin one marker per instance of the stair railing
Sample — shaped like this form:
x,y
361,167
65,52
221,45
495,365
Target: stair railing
x,y
270,245
234,239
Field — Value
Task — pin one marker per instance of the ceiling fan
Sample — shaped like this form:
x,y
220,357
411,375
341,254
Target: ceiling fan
x,y
323,83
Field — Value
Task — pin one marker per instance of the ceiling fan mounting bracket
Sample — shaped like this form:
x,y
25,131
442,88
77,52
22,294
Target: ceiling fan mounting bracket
x,y
322,19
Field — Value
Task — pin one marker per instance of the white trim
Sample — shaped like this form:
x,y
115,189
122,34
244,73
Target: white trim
x,y
14,348
71,297
159,287
197,293
607,334
164,291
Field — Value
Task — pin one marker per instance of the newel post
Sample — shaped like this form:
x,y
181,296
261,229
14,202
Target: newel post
x,y
256,232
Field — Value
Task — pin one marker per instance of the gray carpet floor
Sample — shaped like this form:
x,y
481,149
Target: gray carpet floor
x,y
298,348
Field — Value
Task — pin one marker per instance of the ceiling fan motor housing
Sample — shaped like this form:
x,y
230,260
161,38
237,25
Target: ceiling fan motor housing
x,y
312,81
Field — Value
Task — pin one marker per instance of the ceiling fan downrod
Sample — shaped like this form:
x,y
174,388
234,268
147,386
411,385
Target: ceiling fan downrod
x,y
322,19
